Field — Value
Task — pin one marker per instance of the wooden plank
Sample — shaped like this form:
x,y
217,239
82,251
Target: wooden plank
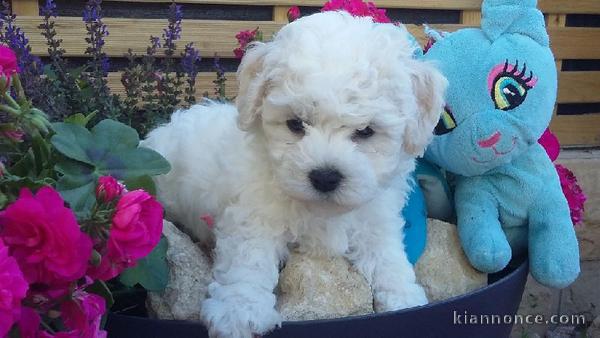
x,y
570,6
217,36
577,130
280,14
204,83
579,87
210,36
472,18
548,6
25,7
422,4
575,42
556,20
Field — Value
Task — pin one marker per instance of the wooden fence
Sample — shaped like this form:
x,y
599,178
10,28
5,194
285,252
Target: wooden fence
x,y
572,25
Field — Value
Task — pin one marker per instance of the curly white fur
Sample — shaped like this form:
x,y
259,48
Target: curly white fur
x,y
338,74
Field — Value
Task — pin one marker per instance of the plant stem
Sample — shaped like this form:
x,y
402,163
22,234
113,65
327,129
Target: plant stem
x,y
11,101
47,327
15,113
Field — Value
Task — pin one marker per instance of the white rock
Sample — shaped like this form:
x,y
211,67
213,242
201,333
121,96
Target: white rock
x,y
313,287
190,274
322,288
443,269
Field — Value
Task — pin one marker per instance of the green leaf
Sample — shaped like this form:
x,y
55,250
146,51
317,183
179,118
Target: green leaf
x,y
3,200
80,119
101,289
77,186
151,272
132,163
50,73
41,153
73,141
111,148
142,182
76,72
116,136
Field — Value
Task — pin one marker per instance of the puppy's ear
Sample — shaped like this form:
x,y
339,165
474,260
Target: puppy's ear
x,y
429,87
251,85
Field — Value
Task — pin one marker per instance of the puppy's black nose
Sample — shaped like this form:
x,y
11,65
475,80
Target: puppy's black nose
x,y
325,179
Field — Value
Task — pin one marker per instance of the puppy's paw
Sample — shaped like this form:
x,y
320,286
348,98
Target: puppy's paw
x,y
403,297
226,319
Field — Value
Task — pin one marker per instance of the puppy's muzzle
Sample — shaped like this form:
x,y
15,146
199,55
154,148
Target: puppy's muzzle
x,y
325,179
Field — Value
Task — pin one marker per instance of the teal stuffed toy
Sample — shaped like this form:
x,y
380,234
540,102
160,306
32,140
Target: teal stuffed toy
x,y
508,198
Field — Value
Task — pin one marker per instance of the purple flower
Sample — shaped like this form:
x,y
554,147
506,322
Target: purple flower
x,y
218,67
189,60
49,9
220,80
92,11
173,32
154,45
96,31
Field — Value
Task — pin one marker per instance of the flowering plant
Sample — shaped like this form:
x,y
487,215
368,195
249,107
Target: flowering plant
x,y
155,83
568,182
76,211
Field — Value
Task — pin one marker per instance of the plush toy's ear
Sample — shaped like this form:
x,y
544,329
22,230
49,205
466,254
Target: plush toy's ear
x,y
513,16
429,86
433,34
252,85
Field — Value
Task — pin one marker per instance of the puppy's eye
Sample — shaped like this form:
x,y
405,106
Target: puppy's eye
x,y
364,133
296,126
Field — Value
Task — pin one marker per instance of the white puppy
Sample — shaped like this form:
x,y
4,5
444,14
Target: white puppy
x,y
331,115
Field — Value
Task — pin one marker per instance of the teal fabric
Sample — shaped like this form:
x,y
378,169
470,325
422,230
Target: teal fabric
x,y
429,198
503,85
415,228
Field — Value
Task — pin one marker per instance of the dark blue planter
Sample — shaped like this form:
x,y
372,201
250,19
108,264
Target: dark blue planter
x,y
500,298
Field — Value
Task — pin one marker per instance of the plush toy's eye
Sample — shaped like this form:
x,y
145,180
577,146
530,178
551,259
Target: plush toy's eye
x,y
509,86
296,126
447,123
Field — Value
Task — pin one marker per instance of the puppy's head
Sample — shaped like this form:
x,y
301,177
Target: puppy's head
x,y
341,105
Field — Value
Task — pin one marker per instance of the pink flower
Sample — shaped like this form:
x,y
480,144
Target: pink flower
x,y
13,289
44,238
8,62
428,45
69,334
575,196
15,135
108,189
244,38
8,66
568,182
550,142
29,323
83,314
293,13
135,231
29,327
357,8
